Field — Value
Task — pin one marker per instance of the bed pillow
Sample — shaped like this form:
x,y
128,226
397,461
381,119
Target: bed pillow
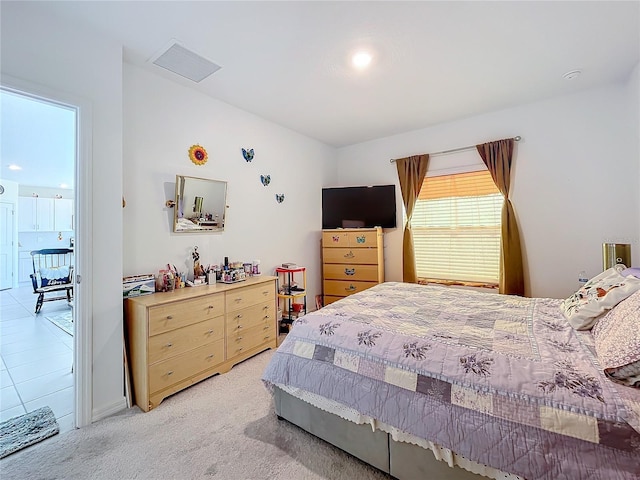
x,y
48,277
617,341
635,271
595,297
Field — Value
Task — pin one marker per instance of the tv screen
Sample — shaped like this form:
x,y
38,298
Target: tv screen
x,y
359,207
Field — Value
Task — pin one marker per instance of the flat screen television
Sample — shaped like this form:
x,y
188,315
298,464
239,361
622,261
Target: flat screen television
x,y
359,207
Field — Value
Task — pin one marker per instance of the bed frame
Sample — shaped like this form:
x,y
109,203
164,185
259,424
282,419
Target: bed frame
x,y
403,461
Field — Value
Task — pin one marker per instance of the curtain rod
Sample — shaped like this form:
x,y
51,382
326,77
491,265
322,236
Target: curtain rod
x,y
461,149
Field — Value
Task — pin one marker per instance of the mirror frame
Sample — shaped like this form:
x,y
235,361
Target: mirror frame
x,y
192,200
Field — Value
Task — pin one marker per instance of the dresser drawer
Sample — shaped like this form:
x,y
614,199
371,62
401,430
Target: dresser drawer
x,y
341,288
175,342
175,369
350,239
351,272
350,255
328,299
246,297
163,318
263,313
241,341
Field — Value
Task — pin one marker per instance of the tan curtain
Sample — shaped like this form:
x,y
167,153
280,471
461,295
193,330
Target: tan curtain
x,y
411,172
497,156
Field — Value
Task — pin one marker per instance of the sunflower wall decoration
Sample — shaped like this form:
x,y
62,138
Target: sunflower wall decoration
x,y
198,155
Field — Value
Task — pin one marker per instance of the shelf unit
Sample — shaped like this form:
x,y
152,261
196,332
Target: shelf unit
x,y
292,291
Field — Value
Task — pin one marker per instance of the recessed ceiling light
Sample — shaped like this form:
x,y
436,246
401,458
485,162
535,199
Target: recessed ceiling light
x,y
15,167
361,59
572,74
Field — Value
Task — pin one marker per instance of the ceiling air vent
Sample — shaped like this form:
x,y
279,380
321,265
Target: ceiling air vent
x,y
184,62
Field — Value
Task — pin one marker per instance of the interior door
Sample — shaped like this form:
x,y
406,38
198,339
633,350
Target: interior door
x,y
6,245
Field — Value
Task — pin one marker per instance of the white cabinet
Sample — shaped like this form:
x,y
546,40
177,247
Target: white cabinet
x,y
63,214
25,267
35,214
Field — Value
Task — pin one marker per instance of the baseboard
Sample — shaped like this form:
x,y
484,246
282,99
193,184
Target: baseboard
x,y
108,410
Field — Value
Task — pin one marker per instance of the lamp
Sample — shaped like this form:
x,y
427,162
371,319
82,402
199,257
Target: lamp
x,y
616,254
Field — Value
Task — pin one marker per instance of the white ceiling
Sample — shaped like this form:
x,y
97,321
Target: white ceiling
x,y
434,62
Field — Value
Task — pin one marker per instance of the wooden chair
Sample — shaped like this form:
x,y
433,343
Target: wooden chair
x,y
52,274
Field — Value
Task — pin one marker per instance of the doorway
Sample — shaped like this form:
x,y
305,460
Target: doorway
x,y
39,177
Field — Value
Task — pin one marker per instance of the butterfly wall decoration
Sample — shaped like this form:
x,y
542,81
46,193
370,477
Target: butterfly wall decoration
x,y
247,154
279,197
265,179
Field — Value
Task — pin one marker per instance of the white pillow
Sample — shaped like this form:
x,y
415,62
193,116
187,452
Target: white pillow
x,y
598,295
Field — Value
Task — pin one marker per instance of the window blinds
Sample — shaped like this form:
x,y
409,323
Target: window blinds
x,y
456,228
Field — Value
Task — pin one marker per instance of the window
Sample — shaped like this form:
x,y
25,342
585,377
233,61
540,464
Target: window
x,y
456,228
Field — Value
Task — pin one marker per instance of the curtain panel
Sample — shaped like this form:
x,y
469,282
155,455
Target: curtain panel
x,y
411,173
498,157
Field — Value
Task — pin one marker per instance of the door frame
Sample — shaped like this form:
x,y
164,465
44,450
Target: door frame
x,y
11,224
83,206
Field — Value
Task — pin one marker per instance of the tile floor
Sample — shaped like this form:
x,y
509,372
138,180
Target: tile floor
x,y
36,358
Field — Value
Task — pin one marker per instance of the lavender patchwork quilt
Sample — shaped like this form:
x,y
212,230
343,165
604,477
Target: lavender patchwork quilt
x,y
503,380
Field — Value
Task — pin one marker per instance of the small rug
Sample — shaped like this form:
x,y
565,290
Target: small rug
x,y
20,432
63,321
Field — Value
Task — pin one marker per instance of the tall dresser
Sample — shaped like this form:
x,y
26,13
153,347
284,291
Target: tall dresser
x,y
178,338
352,261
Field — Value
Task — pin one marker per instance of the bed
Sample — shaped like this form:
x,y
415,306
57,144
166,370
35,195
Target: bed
x,y
400,375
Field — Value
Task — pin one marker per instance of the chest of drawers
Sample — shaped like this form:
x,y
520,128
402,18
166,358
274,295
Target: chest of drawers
x,y
352,261
178,338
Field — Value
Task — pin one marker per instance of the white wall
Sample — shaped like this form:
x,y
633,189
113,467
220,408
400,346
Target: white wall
x,y
574,185
42,50
633,104
162,120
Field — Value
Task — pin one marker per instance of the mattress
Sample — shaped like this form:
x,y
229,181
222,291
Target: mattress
x,y
501,380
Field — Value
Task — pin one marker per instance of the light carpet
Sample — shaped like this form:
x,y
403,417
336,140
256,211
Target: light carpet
x,y
23,431
63,321
223,428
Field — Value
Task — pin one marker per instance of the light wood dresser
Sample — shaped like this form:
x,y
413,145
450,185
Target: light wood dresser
x,y
352,261
178,338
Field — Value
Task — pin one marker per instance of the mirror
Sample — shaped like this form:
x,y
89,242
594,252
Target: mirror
x,y
200,205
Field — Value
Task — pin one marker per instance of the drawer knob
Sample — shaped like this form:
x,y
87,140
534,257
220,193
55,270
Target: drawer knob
x,y
210,356
349,255
239,327
169,344
266,327
239,299
267,337
350,288
211,306
169,317
266,292
169,373
238,339
209,332
350,271
267,317
240,349
239,316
